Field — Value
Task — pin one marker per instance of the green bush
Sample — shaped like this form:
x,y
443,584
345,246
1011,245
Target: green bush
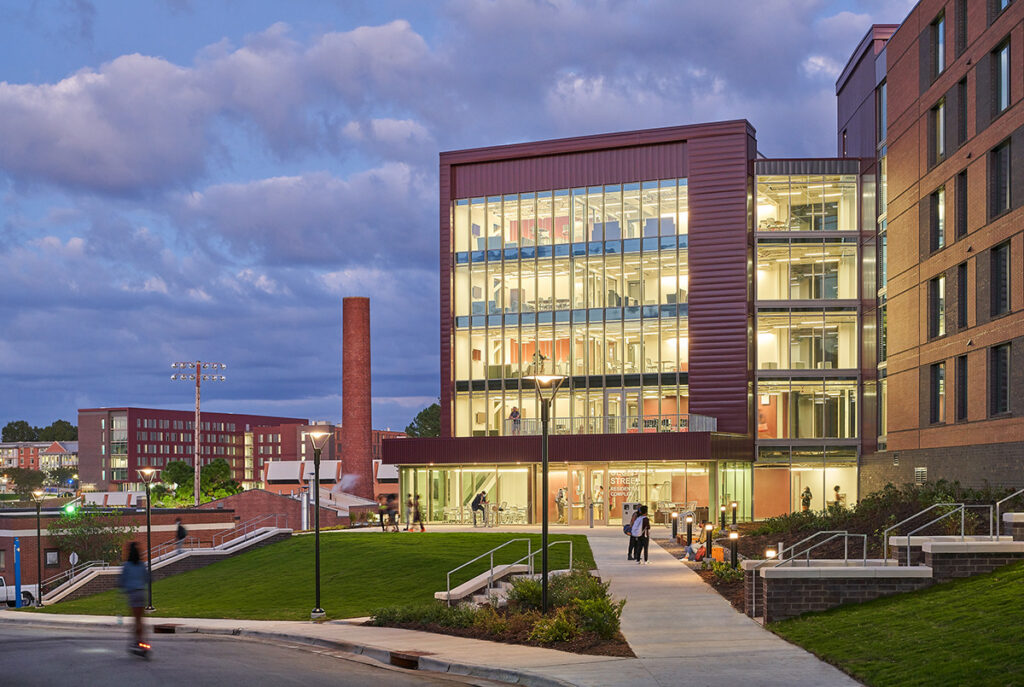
x,y
599,616
489,620
462,615
525,593
558,628
723,571
578,584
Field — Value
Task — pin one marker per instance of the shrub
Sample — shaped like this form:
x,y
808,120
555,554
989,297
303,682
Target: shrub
x,y
599,616
525,593
578,584
723,571
490,621
559,628
462,615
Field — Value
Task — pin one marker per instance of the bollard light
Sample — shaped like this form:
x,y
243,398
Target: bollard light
x,y
735,505
721,511
734,539
708,531
770,553
675,526
689,530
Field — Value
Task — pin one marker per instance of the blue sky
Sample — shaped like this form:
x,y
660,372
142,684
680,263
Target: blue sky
x,y
186,179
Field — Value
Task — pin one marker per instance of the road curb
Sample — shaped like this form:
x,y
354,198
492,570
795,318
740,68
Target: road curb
x,y
385,656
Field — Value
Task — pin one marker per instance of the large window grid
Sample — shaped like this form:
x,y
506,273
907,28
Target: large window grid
x,y
806,408
807,339
806,269
784,474
590,283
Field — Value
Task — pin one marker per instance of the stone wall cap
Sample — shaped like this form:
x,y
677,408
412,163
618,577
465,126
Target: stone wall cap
x,y
1013,517
974,547
919,540
858,572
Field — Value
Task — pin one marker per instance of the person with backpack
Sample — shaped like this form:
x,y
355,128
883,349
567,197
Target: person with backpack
x,y
642,533
628,529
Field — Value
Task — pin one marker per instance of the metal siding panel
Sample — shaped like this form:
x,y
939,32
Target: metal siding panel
x,y
444,179
719,304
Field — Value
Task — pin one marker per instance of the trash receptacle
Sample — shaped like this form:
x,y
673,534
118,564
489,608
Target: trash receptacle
x,y
628,508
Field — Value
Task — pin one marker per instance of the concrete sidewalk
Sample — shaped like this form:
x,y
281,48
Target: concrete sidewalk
x,y
684,632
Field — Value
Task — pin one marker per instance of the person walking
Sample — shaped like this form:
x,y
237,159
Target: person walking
x,y
133,583
480,504
408,511
181,533
642,533
417,516
628,529
382,510
392,511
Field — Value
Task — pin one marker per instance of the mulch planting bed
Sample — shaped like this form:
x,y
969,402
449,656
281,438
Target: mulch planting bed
x,y
518,632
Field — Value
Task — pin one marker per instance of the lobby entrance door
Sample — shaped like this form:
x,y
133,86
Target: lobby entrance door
x,y
587,484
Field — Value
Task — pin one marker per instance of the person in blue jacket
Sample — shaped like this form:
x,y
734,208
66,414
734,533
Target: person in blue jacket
x,y
133,584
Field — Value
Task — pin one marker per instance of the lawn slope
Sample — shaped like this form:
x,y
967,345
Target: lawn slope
x,y
966,632
359,572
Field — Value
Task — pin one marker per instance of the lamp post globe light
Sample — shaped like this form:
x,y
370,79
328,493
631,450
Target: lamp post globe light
x,y
38,495
200,372
546,387
319,438
147,475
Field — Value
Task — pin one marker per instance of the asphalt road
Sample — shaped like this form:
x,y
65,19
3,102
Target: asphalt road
x,y
52,656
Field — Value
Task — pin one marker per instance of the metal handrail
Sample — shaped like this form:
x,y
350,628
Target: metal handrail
x,y
60,579
999,505
490,579
885,534
846,548
243,530
188,542
529,556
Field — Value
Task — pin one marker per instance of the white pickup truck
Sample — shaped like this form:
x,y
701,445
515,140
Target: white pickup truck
x,y
28,593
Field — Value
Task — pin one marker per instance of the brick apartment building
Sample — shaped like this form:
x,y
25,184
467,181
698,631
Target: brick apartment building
x,y
935,105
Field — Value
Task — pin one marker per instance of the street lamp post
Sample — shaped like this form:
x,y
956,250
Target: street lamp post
x,y
546,387
198,375
38,496
319,439
147,475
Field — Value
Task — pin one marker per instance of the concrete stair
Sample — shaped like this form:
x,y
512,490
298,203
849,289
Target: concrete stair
x,y
472,588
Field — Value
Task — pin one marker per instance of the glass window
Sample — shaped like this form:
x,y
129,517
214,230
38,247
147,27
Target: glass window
x,y
1001,77
961,295
1000,279
999,379
937,393
937,203
961,388
999,179
961,204
939,44
937,306
883,119
938,122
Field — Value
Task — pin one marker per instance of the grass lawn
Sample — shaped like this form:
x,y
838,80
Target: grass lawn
x,y
358,574
966,632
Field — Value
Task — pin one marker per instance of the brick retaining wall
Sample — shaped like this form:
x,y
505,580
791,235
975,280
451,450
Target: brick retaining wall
x,y
790,597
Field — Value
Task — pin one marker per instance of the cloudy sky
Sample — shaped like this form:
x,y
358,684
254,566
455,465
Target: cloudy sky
x,y
186,179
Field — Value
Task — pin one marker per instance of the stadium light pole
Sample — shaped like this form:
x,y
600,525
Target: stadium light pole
x,y
546,387
199,372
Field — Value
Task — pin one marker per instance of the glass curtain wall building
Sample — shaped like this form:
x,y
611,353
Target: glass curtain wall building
x,y
589,283
808,322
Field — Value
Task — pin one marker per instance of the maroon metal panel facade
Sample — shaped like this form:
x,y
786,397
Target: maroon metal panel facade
x,y
584,168
721,297
574,448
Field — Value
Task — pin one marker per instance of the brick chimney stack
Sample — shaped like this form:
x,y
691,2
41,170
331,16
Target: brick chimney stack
x,y
357,455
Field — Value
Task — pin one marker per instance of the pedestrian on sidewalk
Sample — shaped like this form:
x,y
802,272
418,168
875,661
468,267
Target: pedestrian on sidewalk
x,y
133,584
408,511
382,510
180,535
642,534
628,529
417,516
392,511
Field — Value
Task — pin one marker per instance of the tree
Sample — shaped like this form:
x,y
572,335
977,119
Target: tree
x,y
180,473
19,430
61,477
60,430
25,480
215,480
93,535
427,422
